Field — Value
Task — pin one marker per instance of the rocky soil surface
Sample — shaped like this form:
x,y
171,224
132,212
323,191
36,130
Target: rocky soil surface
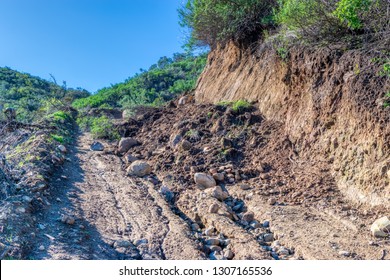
x,y
190,181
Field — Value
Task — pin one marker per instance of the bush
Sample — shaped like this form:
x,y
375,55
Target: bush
x,y
241,105
218,21
335,20
100,127
312,19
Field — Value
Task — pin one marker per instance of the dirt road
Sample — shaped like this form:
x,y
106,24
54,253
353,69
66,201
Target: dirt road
x,y
116,217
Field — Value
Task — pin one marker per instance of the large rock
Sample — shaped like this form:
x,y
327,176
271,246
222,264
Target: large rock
x,y
381,227
204,181
175,139
139,168
97,146
126,143
219,194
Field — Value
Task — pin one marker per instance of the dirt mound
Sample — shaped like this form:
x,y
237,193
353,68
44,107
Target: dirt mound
x,y
28,156
254,159
329,104
248,149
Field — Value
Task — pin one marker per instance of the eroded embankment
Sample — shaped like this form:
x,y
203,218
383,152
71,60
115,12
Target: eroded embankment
x,y
329,102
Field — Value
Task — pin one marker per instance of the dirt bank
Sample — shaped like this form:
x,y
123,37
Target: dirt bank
x,y
329,103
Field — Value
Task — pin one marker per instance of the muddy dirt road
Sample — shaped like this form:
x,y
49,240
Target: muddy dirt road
x,y
115,217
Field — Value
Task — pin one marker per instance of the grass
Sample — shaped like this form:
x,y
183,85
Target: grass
x,y
241,105
238,106
58,138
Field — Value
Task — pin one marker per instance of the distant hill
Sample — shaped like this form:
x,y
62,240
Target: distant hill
x,y
160,83
31,95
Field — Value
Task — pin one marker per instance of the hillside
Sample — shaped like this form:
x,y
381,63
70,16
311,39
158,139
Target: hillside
x,y
32,96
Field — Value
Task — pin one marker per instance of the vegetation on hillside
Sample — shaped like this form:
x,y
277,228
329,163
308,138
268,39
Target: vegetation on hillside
x,y
33,98
162,82
218,21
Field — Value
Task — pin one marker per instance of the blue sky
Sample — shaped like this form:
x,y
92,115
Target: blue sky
x,y
87,43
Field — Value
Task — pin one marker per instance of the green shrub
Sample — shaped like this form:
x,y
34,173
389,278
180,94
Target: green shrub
x,y
241,106
313,20
335,20
100,127
58,138
217,21
351,12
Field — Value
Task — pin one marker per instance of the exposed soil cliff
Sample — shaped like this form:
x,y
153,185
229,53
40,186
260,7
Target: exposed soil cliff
x,y
329,102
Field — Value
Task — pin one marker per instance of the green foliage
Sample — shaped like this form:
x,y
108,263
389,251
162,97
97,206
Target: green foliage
x,y
217,21
387,102
61,116
386,69
241,106
162,82
32,97
100,127
336,20
238,106
350,12
58,138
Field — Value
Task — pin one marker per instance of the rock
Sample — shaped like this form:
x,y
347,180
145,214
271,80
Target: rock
x,y
130,158
245,187
228,254
213,171
139,168
255,224
27,199
41,248
212,241
207,150
216,256
215,248
238,206
62,149
97,147
204,181
125,144
219,194
274,255
266,224
67,220
268,237
140,242
344,253
214,208
209,231
272,201
227,242
186,145
195,227
381,227
248,217
183,101
283,251
175,140
167,193
219,177
231,180
122,244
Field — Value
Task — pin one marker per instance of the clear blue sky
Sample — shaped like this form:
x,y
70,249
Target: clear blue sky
x,y
88,43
